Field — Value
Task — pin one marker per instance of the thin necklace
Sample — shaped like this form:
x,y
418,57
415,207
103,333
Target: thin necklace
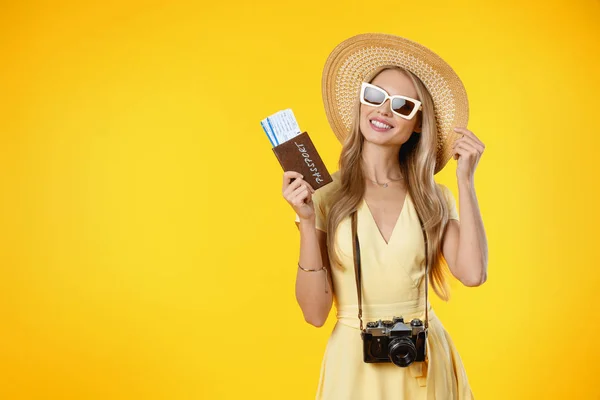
x,y
385,184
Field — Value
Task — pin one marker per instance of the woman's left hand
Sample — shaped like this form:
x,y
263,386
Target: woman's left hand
x,y
468,150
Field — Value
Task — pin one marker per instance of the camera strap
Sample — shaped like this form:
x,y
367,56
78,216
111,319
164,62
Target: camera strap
x,y
357,272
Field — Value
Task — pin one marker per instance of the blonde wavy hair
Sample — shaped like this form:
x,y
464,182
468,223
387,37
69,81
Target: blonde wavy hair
x,y
417,163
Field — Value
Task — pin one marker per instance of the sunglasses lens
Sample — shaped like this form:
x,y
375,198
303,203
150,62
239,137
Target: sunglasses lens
x,y
373,96
403,107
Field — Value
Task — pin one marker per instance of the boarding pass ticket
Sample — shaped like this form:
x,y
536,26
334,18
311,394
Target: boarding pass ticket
x,y
281,127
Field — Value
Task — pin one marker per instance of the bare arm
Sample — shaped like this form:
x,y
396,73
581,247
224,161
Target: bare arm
x,y
465,243
465,247
310,286
313,290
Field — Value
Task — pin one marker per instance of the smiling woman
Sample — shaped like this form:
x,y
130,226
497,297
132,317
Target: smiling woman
x,y
384,228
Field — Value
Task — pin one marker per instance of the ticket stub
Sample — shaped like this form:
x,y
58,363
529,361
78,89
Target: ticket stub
x,y
281,127
294,149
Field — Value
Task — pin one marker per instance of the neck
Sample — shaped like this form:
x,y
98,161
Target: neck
x,y
380,163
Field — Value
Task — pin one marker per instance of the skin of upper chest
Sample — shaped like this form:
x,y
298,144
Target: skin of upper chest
x,y
385,205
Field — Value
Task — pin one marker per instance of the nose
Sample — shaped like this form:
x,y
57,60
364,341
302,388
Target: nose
x,y
386,108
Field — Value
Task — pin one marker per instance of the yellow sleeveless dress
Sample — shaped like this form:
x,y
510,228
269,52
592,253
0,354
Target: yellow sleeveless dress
x,y
393,285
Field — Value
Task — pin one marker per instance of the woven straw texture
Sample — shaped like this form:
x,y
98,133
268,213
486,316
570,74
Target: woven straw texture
x,y
355,58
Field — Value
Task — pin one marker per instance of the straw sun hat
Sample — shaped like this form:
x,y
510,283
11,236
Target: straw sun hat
x,y
353,60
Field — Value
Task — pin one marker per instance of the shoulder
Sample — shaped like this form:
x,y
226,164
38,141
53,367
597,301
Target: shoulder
x,y
444,189
450,200
441,186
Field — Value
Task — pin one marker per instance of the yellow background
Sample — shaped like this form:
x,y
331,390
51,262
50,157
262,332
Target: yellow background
x,y
146,251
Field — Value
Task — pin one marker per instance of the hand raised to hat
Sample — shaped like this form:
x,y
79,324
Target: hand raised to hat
x,y
470,255
467,150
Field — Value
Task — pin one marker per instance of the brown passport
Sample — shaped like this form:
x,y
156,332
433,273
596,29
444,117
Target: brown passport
x,y
299,154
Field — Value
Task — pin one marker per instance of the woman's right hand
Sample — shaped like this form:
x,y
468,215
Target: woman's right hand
x,y
298,194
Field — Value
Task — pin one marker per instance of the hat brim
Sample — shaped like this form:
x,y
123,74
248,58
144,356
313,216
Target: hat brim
x,y
355,58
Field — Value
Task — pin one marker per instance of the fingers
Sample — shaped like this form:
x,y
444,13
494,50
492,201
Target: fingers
x,y
298,183
468,134
469,142
299,195
466,150
288,175
291,187
459,152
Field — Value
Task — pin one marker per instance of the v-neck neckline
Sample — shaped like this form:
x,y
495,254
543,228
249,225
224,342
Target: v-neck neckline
x,y
395,224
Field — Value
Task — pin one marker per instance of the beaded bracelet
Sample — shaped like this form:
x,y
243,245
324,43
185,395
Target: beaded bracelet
x,y
316,270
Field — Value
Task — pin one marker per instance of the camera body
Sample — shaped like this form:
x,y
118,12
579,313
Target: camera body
x,y
394,341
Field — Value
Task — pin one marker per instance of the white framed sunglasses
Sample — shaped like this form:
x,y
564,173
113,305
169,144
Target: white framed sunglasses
x,y
402,106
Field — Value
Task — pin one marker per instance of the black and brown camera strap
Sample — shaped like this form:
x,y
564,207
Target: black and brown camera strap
x,y
357,271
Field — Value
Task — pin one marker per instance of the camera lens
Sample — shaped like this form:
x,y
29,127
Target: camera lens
x,y
402,351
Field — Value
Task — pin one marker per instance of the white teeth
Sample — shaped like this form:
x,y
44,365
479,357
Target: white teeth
x,y
380,125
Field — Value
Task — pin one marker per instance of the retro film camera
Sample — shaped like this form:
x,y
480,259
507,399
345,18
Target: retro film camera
x,y
394,341
391,341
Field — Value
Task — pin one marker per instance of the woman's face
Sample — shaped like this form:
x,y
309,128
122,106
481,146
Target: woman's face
x,y
394,82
